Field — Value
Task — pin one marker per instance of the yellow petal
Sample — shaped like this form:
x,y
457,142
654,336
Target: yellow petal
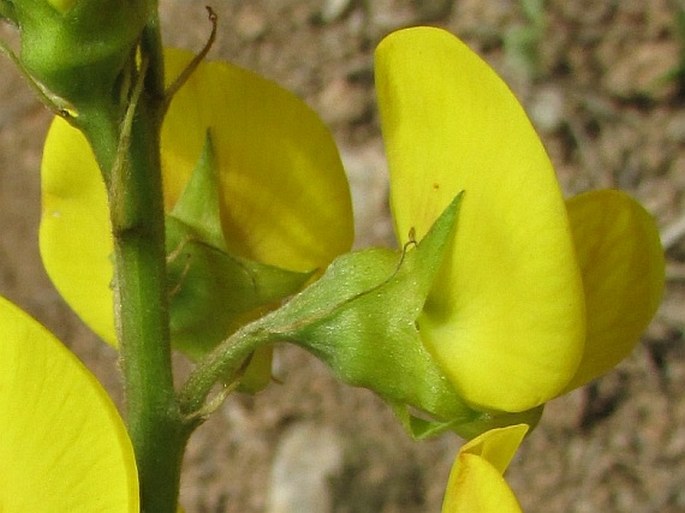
x,y
286,198
75,234
63,445
506,317
497,445
622,263
476,484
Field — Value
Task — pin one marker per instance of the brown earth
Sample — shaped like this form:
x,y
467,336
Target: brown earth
x,y
604,83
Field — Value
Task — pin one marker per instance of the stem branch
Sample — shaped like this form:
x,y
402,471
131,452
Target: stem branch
x,y
225,361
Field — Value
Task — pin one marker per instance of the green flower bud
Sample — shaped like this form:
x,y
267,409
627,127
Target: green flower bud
x,y
76,49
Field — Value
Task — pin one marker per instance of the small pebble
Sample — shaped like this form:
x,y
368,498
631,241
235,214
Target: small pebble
x,y
547,110
342,102
307,458
333,9
251,23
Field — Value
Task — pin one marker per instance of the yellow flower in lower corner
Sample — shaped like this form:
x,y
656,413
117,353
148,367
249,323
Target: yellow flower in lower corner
x,y
476,484
63,446
536,295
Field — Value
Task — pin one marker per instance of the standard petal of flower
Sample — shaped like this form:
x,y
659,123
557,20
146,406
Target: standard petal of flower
x,y
476,483
63,445
286,198
622,263
506,317
75,234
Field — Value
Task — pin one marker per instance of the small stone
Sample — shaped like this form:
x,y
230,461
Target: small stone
x,y
251,23
334,9
342,102
547,110
307,458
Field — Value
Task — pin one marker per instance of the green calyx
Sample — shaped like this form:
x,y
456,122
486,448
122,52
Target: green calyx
x,y
212,292
360,318
77,50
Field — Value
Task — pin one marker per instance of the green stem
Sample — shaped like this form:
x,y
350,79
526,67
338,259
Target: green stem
x,y
226,360
154,420
132,172
151,46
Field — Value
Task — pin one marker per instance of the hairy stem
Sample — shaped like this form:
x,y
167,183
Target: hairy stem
x,y
227,359
127,149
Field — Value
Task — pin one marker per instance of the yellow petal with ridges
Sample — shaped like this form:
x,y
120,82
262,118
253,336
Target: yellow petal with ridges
x,y
622,264
63,445
286,198
476,484
505,319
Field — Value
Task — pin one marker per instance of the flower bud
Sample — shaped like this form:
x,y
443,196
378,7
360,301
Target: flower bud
x,y
77,49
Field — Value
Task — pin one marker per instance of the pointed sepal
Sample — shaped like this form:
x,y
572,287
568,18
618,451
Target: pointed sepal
x,y
213,292
360,318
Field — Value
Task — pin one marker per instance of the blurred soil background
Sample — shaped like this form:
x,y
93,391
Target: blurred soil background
x,y
604,83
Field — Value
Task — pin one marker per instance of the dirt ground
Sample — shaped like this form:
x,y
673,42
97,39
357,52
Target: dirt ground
x,y
604,83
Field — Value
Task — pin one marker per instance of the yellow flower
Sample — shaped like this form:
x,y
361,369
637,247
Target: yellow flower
x,y
536,295
284,196
476,484
63,445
